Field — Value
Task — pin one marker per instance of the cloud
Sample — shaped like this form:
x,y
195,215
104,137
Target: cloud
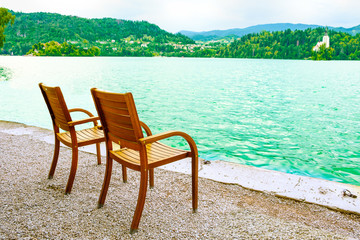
x,y
201,15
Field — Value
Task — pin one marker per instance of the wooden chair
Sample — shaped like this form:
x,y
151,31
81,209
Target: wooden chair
x,y
61,119
121,125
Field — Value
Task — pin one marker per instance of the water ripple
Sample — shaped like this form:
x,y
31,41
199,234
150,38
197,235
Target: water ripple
x,y
299,117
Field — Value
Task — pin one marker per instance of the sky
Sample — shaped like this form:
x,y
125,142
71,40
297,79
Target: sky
x,y
203,15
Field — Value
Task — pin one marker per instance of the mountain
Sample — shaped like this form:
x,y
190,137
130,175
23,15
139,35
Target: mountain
x,y
32,28
353,31
239,32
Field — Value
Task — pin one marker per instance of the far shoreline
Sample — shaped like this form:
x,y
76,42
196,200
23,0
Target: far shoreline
x,y
181,57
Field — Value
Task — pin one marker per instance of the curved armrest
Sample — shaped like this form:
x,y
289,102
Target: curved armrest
x,y
164,135
86,120
81,110
146,128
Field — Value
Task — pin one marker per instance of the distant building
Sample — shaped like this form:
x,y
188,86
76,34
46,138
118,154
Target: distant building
x,y
326,41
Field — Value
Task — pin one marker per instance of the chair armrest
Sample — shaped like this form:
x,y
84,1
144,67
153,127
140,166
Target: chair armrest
x,y
146,128
86,120
81,110
153,138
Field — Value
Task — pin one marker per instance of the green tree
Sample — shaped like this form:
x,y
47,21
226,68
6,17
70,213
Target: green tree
x,y
31,28
323,53
5,18
94,51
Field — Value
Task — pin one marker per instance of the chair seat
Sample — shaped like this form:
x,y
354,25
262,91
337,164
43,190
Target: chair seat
x,y
84,137
158,154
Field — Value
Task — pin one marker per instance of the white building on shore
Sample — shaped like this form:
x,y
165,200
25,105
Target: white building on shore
x,y
326,41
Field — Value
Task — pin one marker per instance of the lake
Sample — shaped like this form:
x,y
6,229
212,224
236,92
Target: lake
x,y
300,117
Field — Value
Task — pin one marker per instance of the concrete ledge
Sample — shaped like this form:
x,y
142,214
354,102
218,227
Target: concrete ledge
x,y
331,194
334,195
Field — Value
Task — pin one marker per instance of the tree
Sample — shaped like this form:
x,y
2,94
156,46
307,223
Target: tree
x,y
5,18
94,51
323,53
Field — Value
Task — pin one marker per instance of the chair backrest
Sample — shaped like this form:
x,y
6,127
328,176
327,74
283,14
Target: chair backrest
x,y
118,117
57,107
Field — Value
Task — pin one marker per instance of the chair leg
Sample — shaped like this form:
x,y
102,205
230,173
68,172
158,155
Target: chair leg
x,y
151,177
124,173
195,170
74,164
98,153
140,202
55,158
106,183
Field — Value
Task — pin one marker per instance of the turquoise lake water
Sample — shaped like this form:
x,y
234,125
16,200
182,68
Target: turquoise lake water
x,y
300,117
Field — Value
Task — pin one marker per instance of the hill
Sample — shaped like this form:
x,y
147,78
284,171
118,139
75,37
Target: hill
x,y
49,34
239,32
32,28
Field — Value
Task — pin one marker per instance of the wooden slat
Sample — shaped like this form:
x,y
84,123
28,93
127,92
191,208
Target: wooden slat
x,y
113,138
57,108
121,126
128,155
62,125
155,150
133,115
94,132
60,115
118,111
123,142
51,90
113,103
129,144
58,111
157,154
118,119
122,133
118,124
117,97
65,137
52,96
126,163
83,136
55,103
155,157
164,148
155,161
132,154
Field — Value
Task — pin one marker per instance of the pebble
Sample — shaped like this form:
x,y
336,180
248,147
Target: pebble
x,y
34,207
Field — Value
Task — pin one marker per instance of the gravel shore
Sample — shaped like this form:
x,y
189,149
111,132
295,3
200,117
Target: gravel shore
x,y
34,207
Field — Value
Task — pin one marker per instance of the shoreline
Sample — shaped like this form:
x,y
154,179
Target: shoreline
x,y
334,195
35,207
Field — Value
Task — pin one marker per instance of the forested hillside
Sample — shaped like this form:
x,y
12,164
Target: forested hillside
x,y
294,45
32,28
286,44
47,34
